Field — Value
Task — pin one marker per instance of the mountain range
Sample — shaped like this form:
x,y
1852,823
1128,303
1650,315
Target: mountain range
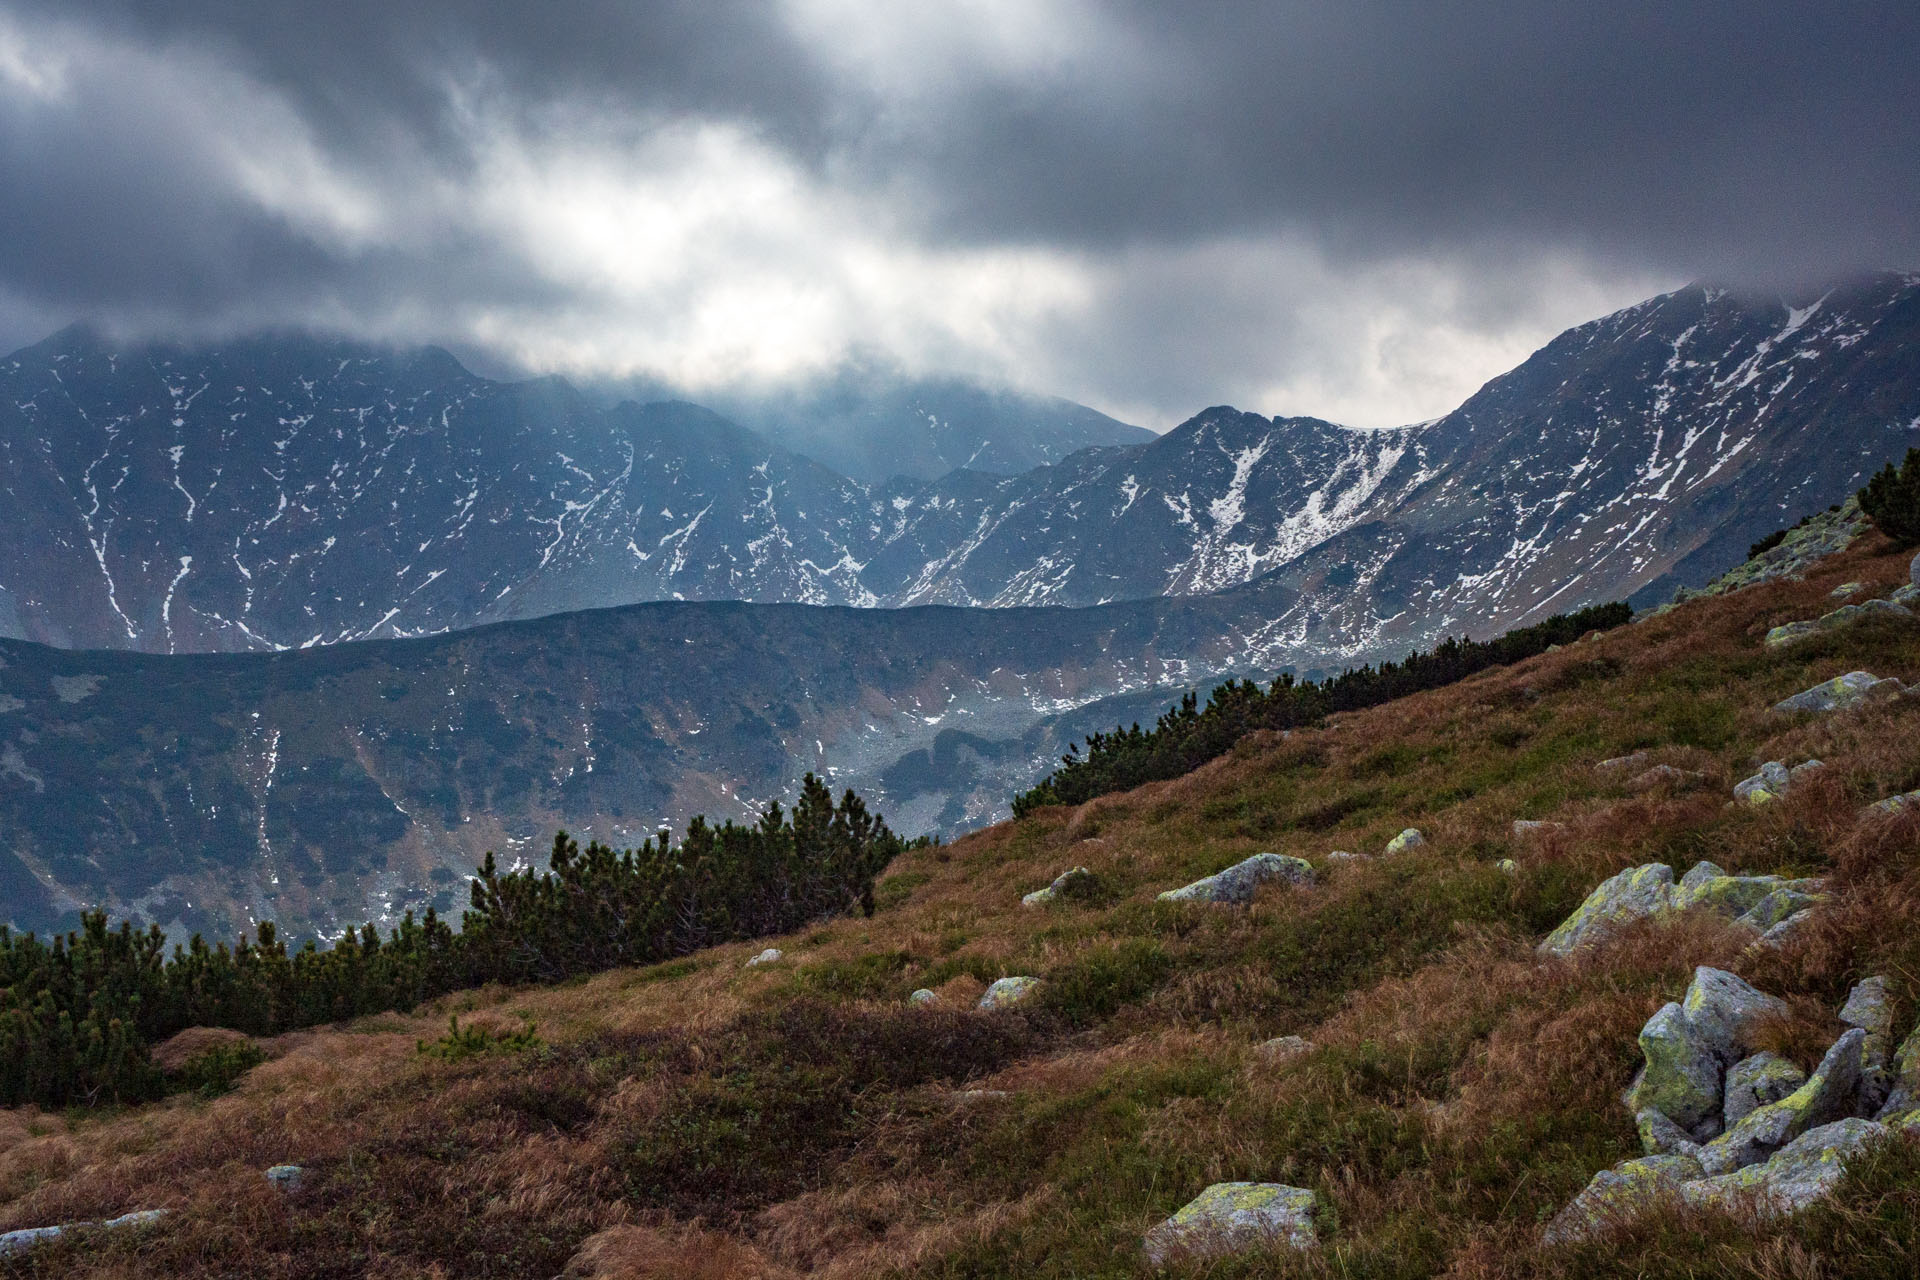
x,y
370,569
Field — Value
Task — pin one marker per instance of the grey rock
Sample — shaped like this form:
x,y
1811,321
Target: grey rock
x,y
1340,857
1699,875
1832,695
1845,615
14,1242
769,956
1846,589
1236,885
1754,1082
1867,1007
288,1177
1528,827
1408,839
1508,866
1620,764
1722,1010
923,996
1281,1048
1908,595
1893,804
1065,885
1617,1194
1682,1079
1913,571
1231,1217
1007,992
1788,899
1801,770
1804,1171
1904,1073
1660,1136
1829,1094
1633,894
1779,933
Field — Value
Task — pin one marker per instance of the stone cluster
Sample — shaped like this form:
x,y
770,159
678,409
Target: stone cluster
x,y
1724,1123
1772,905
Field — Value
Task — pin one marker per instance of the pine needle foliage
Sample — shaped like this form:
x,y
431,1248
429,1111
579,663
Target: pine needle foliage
x,y
1892,500
1187,736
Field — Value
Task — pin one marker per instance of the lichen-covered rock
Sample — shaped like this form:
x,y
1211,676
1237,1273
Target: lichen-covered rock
x,y
1846,589
1893,804
1075,880
1008,992
1731,896
1722,1010
1408,839
1868,1008
1793,1178
1779,933
1281,1048
1236,885
1788,898
1832,695
1633,894
1619,1193
1230,1217
1800,771
768,956
923,996
1682,1078
1754,1082
1508,866
1908,595
1660,1136
1845,615
1528,827
1903,1077
1829,1094
1699,875
1773,779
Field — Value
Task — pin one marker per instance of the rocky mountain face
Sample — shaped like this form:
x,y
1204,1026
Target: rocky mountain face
x,y
283,494
287,492
324,786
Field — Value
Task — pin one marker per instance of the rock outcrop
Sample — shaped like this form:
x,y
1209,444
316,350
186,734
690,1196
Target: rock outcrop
x,y
1231,1217
1408,839
1074,882
1236,885
1842,692
1007,992
1646,892
1845,615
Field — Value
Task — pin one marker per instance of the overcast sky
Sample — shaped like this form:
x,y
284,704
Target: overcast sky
x,y
1356,209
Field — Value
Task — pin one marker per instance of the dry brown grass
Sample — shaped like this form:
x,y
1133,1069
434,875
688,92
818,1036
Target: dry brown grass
x,y
1460,1089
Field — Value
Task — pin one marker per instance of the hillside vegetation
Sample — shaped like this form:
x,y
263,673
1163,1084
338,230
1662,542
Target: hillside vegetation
x,y
705,1118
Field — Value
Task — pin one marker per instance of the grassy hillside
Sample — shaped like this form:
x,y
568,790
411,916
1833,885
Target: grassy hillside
x,y
705,1119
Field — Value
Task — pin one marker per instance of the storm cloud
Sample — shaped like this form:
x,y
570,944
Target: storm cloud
x,y
1359,210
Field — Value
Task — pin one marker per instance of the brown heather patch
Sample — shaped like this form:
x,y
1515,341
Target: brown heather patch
x,y
700,1119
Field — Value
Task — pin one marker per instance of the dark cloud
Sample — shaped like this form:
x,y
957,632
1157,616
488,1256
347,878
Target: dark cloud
x,y
1130,140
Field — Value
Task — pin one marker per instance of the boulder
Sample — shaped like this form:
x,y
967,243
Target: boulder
x,y
1788,898
1792,1178
1903,1077
1660,1136
1846,589
1408,839
1007,992
1755,1082
1828,1095
1682,1077
1730,896
1908,595
1070,883
1779,933
1722,1010
1281,1048
768,956
1633,894
1833,695
1618,1193
1867,1007
1772,780
923,996
287,1177
1230,1217
1845,615
20,1241
1236,885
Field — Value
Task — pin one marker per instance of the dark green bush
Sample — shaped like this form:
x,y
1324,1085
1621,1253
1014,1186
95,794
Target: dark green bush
x,y
215,1069
1892,500
471,1041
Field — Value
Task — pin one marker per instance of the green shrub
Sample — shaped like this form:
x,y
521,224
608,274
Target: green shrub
x,y
471,1041
1892,500
1095,983
215,1069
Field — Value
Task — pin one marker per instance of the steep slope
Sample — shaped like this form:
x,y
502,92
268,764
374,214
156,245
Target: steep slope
x,y
289,491
875,428
800,1118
